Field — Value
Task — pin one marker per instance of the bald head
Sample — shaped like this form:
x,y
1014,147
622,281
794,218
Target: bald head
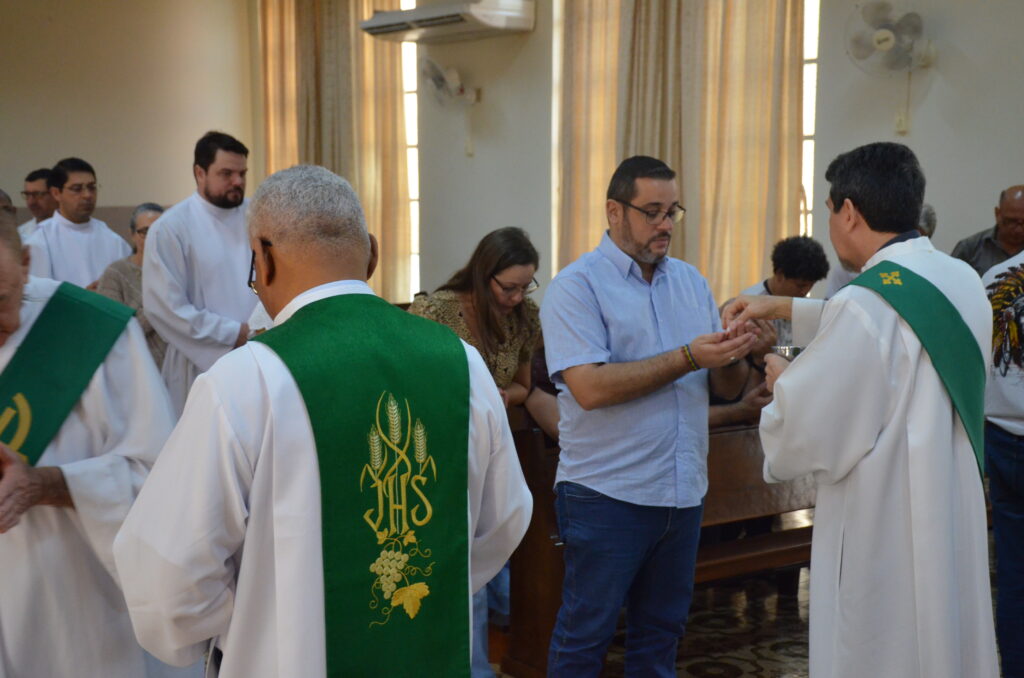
x,y
13,273
9,238
1010,219
6,204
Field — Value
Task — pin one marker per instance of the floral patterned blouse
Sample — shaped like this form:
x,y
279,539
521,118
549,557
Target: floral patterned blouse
x,y
445,307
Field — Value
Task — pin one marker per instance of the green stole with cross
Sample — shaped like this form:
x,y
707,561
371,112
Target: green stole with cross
x,y
387,395
950,344
54,364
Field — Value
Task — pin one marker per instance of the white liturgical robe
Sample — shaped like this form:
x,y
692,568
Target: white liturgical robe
x,y
899,562
224,541
26,229
75,253
194,290
61,611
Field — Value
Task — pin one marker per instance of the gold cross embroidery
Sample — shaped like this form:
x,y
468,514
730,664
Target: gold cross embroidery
x,y
891,278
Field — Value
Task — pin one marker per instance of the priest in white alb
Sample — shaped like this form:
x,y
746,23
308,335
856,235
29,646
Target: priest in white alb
x,y
885,407
194,267
338,487
72,246
84,414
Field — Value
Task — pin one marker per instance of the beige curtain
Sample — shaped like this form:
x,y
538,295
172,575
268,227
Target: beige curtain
x,y
713,88
333,97
589,100
751,124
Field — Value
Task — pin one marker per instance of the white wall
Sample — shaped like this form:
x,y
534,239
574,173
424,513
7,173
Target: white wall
x,y
965,117
507,182
128,86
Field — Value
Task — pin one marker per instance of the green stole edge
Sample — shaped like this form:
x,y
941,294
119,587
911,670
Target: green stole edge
x,y
332,347
54,364
946,338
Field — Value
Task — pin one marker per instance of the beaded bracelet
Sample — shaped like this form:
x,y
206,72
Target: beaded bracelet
x,y
689,357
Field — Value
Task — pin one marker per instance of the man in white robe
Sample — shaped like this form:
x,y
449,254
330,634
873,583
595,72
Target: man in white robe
x,y
194,267
71,246
224,542
61,610
899,564
38,200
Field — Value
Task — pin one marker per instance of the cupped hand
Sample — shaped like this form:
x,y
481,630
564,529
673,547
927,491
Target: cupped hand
x,y
719,349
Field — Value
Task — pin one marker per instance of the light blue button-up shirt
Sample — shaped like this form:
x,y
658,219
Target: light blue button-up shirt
x,y
653,450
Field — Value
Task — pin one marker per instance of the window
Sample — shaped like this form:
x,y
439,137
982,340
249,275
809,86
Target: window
x,y
810,93
410,72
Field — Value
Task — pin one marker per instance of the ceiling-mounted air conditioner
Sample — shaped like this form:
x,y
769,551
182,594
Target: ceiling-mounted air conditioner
x,y
450,22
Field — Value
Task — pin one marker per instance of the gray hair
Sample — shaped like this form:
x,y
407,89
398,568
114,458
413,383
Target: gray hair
x,y
143,209
309,207
926,222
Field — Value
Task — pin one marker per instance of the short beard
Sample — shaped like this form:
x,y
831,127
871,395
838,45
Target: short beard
x,y
644,255
223,201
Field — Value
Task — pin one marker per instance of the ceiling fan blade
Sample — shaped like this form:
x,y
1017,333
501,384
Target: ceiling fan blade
x,y
877,14
862,45
910,26
898,59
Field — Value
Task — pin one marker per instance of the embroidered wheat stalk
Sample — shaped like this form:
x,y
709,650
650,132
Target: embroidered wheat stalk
x,y
420,441
394,420
376,455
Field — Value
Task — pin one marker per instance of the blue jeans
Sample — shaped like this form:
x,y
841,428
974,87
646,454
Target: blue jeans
x,y
618,554
1004,460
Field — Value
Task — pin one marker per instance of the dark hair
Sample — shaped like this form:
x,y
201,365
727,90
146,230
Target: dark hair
x,y
498,250
211,142
623,184
884,182
800,258
36,175
142,209
59,174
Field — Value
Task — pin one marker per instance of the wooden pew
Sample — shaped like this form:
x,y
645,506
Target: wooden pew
x,y
736,492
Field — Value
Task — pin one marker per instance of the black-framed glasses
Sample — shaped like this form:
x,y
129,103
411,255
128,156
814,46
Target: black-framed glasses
x,y
509,290
252,266
675,213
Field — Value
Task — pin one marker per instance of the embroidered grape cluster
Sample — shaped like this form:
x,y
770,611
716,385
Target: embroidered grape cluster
x,y
388,568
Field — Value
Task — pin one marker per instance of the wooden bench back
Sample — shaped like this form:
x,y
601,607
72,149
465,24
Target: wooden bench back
x,y
736,487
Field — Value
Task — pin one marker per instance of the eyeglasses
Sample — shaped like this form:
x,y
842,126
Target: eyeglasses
x,y
10,209
509,290
81,188
142,231
675,212
252,266
34,195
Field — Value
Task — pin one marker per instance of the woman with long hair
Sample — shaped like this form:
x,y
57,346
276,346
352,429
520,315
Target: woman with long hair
x,y
487,304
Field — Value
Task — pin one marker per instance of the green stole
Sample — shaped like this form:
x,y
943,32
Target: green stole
x,y
54,364
387,395
950,344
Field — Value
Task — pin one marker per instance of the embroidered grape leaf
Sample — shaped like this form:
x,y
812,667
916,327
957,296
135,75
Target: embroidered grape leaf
x,y
409,598
410,538
382,536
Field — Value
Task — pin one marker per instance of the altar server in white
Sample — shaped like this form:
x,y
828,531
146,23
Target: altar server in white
x,y
225,541
71,246
38,200
194,268
62,612
885,409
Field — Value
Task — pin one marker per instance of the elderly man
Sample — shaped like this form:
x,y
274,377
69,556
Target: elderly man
x,y
193,282
992,246
6,204
893,434
38,200
122,281
310,514
633,342
71,246
85,414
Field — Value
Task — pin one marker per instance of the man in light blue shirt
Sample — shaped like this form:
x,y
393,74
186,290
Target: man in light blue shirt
x,y
633,341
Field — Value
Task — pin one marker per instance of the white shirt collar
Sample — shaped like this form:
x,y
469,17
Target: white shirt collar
x,y
60,220
922,244
331,289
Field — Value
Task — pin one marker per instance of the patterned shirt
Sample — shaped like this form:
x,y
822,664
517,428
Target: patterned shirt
x,y
445,307
122,281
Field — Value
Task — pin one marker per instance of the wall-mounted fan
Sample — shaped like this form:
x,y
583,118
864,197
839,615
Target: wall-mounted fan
x,y
885,40
447,84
